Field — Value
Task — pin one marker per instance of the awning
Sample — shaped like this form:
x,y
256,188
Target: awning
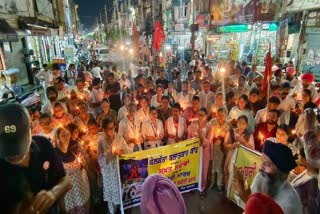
x,y
7,33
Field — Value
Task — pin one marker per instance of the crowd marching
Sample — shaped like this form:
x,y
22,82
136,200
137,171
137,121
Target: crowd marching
x,y
92,114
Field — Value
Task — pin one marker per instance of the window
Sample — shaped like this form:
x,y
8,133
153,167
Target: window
x,y
183,10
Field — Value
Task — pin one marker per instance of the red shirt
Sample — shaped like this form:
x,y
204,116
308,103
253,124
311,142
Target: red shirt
x,y
261,133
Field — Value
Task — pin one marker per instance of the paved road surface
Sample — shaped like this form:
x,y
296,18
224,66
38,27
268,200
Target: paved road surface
x,y
214,203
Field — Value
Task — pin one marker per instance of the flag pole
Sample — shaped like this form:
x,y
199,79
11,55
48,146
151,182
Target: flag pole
x,y
269,76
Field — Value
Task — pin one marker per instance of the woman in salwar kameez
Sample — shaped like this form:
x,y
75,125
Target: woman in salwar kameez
x,y
109,147
77,199
203,130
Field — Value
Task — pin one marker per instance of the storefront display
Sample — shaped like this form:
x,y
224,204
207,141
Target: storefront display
x,y
242,42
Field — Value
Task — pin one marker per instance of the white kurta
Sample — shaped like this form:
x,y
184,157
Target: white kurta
x,y
148,129
184,101
109,171
129,130
206,99
171,129
142,115
122,113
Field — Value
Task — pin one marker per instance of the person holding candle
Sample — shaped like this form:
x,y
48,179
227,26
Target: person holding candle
x,y
96,96
143,112
60,116
206,96
164,111
52,95
262,114
77,199
175,126
242,108
82,93
34,157
184,98
204,131
129,129
110,145
306,185
106,112
234,138
72,103
90,144
220,127
82,119
307,103
152,130
190,113
123,111
156,99
266,129
47,129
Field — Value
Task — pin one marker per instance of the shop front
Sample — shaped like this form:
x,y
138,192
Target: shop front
x,y
244,42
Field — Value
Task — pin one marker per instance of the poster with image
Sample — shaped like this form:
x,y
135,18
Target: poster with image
x,y
248,162
180,162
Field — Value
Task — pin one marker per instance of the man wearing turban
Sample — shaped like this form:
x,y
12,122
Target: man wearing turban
x,y
277,162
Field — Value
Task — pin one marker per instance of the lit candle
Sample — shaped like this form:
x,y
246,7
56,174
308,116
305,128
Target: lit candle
x,y
145,90
293,132
79,159
261,137
113,149
218,133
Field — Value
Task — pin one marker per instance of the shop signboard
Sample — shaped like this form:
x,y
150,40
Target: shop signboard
x,y
40,32
180,162
232,29
226,12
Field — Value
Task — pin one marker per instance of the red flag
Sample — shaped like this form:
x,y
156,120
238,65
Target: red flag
x,y
158,36
267,72
136,40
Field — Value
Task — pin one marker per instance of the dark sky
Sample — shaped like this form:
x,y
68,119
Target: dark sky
x,y
89,10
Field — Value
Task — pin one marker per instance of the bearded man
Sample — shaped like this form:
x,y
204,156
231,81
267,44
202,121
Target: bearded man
x,y
266,129
277,162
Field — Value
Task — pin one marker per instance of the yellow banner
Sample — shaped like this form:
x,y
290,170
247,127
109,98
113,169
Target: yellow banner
x,y
248,162
180,162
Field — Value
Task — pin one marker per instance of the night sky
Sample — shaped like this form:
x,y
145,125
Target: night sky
x,y
89,10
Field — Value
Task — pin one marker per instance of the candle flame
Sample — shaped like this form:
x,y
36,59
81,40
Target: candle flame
x,y
260,136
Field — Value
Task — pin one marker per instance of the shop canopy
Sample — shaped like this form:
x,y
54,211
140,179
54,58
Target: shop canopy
x,y
301,5
7,33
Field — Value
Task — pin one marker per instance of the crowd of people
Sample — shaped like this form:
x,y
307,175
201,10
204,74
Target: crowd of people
x,y
92,114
